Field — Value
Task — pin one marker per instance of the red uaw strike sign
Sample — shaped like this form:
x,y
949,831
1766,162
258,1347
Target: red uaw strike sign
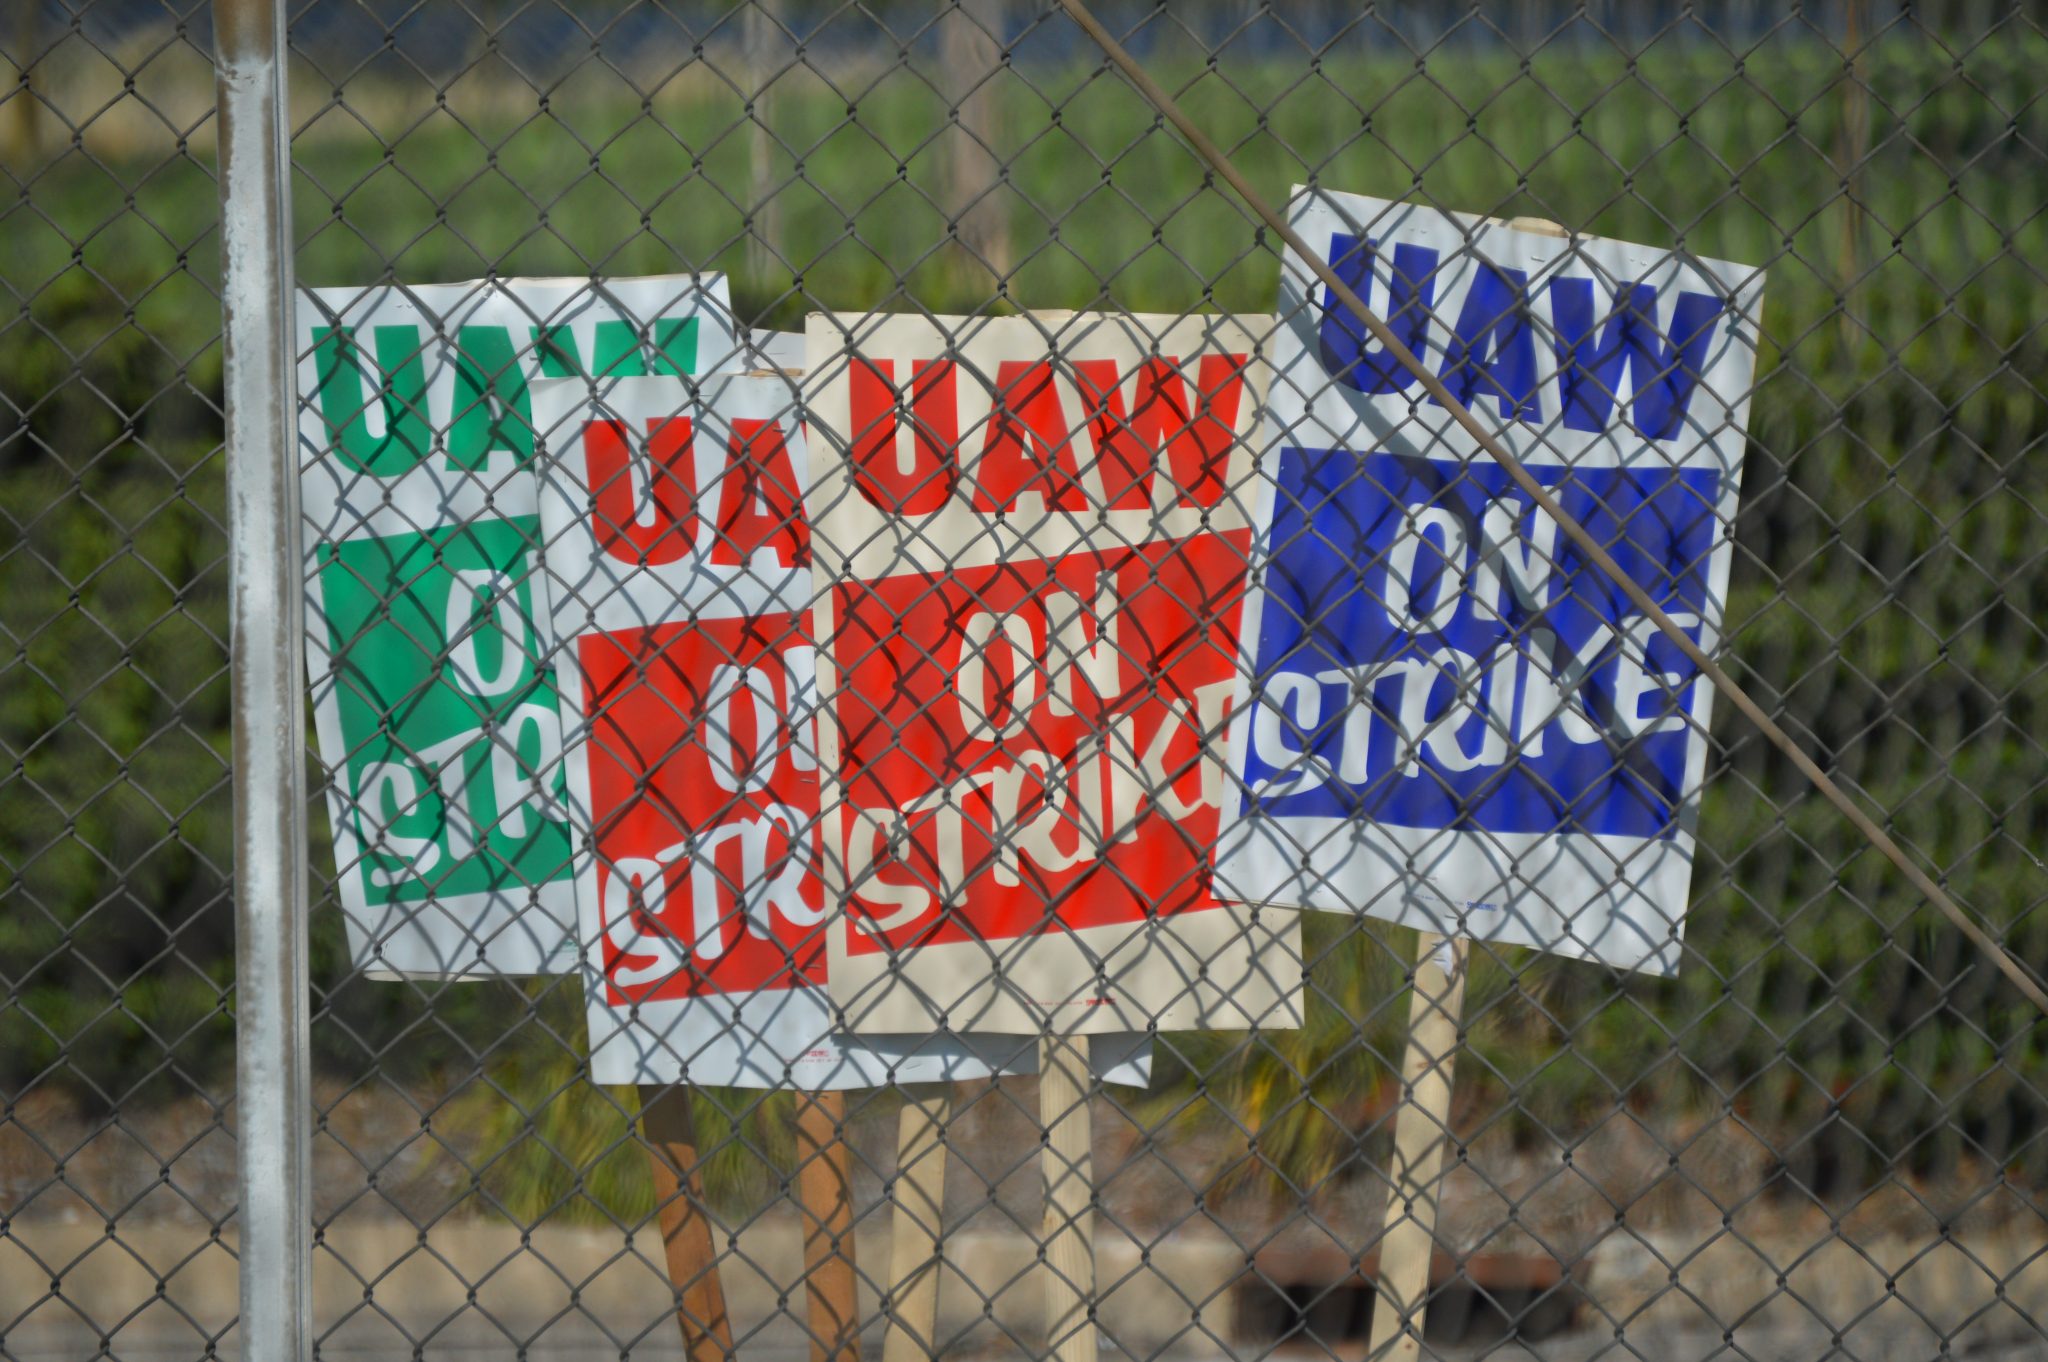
x,y
679,560
1036,532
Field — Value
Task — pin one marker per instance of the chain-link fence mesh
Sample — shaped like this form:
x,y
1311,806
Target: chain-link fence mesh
x,y
1820,1137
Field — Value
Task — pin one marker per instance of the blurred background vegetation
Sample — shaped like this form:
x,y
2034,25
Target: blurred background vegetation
x,y
1887,170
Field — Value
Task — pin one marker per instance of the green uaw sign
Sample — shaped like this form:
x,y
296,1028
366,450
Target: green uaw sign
x,y
430,649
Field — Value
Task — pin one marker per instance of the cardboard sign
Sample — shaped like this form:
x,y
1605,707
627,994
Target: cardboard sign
x,y
1034,552
678,559
1448,718
428,650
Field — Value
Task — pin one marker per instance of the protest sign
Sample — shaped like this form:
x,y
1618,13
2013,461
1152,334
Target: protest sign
x,y
678,559
1033,556
427,640
678,563
679,567
1446,718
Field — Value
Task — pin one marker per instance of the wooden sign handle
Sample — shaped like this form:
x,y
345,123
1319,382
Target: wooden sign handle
x,y
916,1229
1421,1134
670,1133
824,1193
1069,1227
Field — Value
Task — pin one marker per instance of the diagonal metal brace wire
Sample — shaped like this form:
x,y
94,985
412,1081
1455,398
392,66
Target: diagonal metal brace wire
x,y
1577,533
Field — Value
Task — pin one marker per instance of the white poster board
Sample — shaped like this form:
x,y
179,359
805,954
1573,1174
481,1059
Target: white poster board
x,y
1446,717
428,651
1036,562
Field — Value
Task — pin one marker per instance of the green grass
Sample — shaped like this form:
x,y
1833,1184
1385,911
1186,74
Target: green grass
x,y
1887,593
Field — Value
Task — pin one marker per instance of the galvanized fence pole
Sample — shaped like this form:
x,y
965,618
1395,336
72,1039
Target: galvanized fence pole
x,y
266,622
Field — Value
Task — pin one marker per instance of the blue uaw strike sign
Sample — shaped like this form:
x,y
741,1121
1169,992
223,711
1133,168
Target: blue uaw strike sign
x,y
1447,717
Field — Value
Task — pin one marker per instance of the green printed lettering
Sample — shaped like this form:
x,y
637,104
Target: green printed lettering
x,y
402,391
492,409
675,346
617,350
558,354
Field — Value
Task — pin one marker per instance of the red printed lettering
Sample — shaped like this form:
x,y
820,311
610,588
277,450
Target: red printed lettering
x,y
923,481
1028,448
649,526
1036,744
760,503
1122,457
1196,438
704,795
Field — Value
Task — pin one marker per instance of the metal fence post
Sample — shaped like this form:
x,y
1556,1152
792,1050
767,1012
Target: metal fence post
x,y
266,618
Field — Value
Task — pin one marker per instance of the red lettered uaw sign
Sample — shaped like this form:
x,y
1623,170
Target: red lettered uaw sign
x,y
427,631
679,561
1031,555
1448,717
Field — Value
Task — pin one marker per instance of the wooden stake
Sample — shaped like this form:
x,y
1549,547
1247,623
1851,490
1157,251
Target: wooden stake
x,y
971,58
1421,1134
915,1238
1069,1230
824,1193
671,1137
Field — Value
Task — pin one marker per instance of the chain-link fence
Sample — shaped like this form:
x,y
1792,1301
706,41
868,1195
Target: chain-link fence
x,y
767,465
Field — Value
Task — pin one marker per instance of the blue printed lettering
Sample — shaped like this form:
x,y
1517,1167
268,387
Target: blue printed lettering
x,y
1627,353
1409,296
1433,655
1493,349
1664,365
